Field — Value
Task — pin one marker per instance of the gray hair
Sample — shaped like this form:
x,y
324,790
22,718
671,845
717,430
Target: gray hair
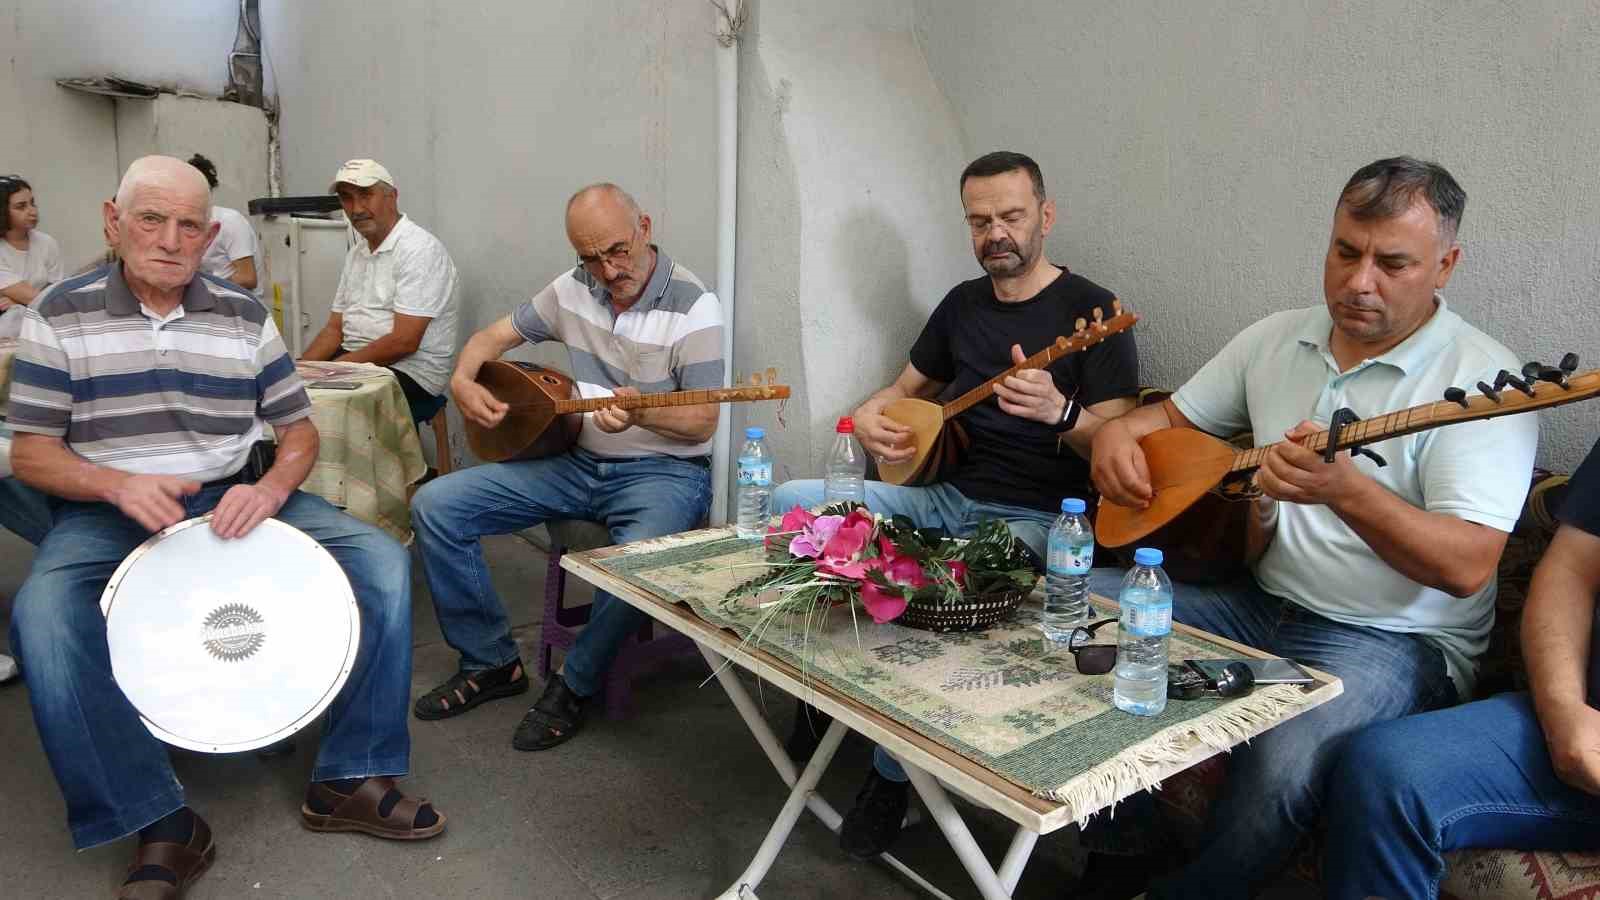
x,y
167,170
1387,188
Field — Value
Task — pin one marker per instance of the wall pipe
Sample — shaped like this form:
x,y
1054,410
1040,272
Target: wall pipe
x,y
730,19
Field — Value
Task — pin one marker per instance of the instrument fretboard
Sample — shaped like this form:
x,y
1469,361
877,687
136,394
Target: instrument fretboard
x,y
675,398
1433,415
1091,335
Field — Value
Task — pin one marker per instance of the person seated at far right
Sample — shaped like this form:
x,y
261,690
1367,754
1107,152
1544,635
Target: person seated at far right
x,y
1382,576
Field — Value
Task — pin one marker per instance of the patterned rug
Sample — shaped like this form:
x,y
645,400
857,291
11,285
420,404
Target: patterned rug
x,y
1004,698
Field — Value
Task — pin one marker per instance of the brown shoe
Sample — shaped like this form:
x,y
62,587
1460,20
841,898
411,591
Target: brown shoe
x,y
360,811
158,860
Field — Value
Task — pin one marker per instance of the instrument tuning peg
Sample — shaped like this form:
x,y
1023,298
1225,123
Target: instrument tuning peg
x,y
1489,391
1116,307
1099,316
1506,378
1569,363
1457,395
1080,325
772,375
1532,369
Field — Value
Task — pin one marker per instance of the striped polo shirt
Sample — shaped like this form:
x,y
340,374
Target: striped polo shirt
x,y
183,394
669,340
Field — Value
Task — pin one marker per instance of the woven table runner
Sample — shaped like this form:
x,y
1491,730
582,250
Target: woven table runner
x,y
1004,698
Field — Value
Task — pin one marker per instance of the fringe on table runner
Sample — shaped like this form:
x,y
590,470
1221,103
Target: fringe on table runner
x,y
1135,767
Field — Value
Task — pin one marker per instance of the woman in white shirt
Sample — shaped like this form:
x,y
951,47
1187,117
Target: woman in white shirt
x,y
232,253
30,260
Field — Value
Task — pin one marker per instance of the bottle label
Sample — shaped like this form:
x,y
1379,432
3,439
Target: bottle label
x,y
1067,558
1146,619
756,472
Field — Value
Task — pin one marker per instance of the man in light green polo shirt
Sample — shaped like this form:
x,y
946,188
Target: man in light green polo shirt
x,y
1383,576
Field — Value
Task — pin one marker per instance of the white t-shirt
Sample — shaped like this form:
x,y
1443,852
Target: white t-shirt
x,y
410,273
235,240
39,265
1280,370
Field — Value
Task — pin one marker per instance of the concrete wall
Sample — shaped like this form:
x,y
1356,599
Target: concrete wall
x,y
1196,157
231,135
65,143
850,219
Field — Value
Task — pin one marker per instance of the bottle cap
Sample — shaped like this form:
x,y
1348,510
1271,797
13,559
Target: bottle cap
x,y
754,434
846,425
1147,556
1073,505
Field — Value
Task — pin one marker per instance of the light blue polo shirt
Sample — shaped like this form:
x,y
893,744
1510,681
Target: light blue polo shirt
x,y
1281,371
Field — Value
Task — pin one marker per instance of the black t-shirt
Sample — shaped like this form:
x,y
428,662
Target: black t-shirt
x,y
968,340
1581,510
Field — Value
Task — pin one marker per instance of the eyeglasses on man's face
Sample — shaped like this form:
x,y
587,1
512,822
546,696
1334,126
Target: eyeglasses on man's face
x,y
617,254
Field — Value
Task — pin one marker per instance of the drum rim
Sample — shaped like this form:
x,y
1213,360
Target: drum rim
x,y
344,590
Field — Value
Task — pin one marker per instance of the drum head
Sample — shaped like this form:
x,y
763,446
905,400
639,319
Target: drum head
x,y
226,646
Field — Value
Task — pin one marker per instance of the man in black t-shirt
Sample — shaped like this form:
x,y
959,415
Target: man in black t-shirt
x,y
1029,446
1517,770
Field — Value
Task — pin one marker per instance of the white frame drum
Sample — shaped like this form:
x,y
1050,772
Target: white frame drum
x,y
276,581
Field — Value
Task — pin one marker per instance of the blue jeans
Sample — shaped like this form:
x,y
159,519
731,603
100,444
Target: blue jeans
x,y
24,511
636,498
1477,775
934,506
115,776
1276,783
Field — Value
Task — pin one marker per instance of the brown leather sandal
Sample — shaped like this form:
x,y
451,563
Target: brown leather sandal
x,y
186,862
360,812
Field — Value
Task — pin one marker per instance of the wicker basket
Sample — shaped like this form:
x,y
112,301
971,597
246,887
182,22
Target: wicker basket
x,y
972,613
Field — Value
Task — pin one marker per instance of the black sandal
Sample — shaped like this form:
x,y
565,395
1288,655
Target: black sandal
x,y
555,719
465,690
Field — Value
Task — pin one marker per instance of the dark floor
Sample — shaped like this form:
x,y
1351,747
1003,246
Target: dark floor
x,y
672,802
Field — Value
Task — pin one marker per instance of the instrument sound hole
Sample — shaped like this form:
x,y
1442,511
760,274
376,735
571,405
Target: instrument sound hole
x,y
550,379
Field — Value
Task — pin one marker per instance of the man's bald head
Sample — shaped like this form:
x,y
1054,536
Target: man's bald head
x,y
612,237
167,173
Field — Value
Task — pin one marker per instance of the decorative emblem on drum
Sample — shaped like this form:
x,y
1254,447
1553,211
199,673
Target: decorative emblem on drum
x,y
233,632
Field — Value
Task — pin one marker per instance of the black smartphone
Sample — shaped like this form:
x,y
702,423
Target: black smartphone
x,y
1267,671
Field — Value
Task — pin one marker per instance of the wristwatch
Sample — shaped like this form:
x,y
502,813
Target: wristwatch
x,y
1069,416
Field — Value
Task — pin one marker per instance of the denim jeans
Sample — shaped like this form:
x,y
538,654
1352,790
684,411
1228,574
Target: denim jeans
x,y
24,511
114,775
1276,784
934,506
635,497
1409,791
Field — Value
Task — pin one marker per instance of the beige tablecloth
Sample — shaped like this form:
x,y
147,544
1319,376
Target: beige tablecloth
x,y
370,451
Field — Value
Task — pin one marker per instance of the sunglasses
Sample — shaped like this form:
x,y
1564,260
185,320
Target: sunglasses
x,y
1091,659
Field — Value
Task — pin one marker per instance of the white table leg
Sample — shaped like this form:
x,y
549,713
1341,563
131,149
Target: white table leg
x,y
744,888
967,850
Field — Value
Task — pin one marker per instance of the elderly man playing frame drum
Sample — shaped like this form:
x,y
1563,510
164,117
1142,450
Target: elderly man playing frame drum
x,y
138,392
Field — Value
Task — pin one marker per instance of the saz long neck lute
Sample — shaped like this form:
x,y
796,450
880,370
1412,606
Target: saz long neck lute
x,y
1186,464
546,415
938,448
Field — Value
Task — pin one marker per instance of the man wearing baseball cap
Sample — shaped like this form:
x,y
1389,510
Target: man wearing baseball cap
x,y
396,303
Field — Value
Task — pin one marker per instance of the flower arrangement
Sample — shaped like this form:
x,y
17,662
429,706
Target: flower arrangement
x,y
846,554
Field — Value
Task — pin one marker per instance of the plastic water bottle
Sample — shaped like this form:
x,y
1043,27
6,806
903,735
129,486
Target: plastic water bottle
x,y
754,501
1066,578
1146,626
845,477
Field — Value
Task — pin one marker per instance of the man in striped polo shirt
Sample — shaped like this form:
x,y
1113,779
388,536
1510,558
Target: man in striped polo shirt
x,y
634,322
138,391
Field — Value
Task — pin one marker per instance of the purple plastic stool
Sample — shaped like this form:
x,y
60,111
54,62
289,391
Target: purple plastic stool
x,y
562,623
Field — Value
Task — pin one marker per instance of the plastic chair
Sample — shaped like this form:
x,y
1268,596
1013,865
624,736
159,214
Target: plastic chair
x,y
563,623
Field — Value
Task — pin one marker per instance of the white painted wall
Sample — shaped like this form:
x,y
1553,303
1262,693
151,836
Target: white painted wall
x,y
850,222
63,142
232,135
1195,151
